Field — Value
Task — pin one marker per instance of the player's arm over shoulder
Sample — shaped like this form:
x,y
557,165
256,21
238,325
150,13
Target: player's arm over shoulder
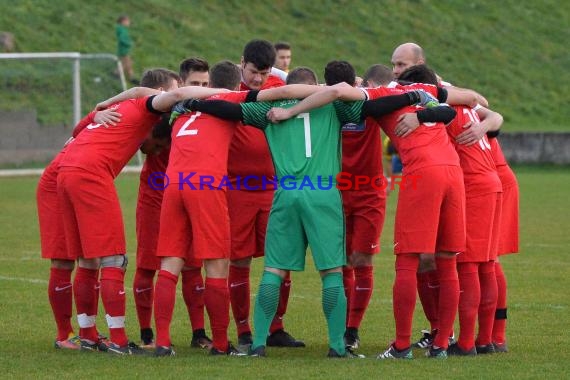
x,y
492,120
131,93
165,101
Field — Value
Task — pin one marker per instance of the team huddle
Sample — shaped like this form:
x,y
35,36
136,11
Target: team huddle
x,y
271,144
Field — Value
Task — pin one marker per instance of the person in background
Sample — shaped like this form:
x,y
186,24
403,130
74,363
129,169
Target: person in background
x,y
124,46
283,56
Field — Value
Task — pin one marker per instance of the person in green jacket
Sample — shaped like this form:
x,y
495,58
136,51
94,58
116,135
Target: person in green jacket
x,y
124,45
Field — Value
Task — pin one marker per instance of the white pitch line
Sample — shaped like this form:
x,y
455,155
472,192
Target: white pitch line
x,y
30,280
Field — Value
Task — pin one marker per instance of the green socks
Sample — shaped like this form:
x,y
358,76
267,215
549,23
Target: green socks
x,y
265,307
334,307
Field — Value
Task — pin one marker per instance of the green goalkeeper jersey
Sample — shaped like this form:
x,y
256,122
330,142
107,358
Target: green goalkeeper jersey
x,y
307,145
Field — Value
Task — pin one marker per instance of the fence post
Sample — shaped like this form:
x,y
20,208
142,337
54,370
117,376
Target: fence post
x,y
76,91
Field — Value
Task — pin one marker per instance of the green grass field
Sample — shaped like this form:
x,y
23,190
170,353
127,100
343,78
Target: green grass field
x,y
538,309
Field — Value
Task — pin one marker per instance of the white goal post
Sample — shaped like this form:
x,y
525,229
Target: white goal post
x,y
75,58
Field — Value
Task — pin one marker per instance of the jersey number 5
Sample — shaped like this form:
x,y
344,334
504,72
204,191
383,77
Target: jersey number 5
x,y
307,127
184,131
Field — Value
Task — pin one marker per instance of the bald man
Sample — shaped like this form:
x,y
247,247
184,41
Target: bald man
x,y
406,55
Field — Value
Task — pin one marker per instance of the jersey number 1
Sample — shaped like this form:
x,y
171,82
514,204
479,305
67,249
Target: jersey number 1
x,y
307,127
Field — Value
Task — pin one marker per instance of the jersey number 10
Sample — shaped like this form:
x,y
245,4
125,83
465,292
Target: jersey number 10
x,y
472,115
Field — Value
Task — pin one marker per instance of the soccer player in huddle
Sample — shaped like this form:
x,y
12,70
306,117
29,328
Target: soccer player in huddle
x,y
52,238
508,240
365,206
91,211
249,209
193,72
405,56
476,266
282,56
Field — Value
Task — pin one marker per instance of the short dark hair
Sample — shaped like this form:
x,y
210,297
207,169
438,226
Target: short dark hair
x,y
302,75
380,74
190,65
162,129
155,78
225,74
260,53
339,71
419,74
282,46
122,18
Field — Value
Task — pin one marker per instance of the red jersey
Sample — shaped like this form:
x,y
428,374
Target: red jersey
x,y
153,163
48,180
479,171
505,172
49,175
106,150
83,123
362,149
200,145
249,153
428,145
497,152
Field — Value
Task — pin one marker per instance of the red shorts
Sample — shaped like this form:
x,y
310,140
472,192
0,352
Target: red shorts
x,y
92,217
509,239
148,225
249,213
194,224
430,216
50,217
482,221
364,213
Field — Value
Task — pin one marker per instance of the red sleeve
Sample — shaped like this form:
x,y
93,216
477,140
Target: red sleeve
x,y
273,81
83,123
378,92
429,88
232,97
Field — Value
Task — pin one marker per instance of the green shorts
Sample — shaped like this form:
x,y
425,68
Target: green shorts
x,y
305,217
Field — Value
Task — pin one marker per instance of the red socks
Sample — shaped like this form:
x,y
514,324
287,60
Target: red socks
x,y
448,298
284,291
60,294
348,282
143,291
362,291
193,293
488,303
428,291
217,299
469,300
500,324
114,301
239,287
404,298
86,294
164,298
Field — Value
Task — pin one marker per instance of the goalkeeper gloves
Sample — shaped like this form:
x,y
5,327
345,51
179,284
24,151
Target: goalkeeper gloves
x,y
423,98
181,108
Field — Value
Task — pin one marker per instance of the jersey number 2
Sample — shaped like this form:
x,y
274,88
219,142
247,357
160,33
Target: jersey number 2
x,y
307,128
184,131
